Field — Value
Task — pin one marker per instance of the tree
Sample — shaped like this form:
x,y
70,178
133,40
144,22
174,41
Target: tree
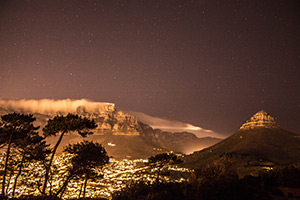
x,y
31,148
13,128
86,157
160,160
63,125
11,168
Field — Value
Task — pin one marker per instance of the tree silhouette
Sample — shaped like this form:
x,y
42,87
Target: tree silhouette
x,y
31,147
160,160
13,128
63,125
86,157
11,168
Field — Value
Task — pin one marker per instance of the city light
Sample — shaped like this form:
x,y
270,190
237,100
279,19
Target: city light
x,y
112,177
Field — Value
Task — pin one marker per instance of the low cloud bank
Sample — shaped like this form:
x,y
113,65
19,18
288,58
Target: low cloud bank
x,y
64,106
44,106
174,126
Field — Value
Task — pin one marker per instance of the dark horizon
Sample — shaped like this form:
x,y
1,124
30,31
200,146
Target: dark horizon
x,y
209,63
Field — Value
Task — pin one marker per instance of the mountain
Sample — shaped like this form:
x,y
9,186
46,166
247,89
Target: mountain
x,y
120,133
259,143
174,126
107,118
183,142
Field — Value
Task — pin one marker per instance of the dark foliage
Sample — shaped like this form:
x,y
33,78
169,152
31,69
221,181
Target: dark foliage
x,y
15,125
87,198
86,157
41,197
286,176
160,160
244,189
144,190
17,131
63,125
232,188
87,154
69,123
215,184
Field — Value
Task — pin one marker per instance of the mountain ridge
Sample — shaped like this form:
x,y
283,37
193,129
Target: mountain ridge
x,y
253,146
121,133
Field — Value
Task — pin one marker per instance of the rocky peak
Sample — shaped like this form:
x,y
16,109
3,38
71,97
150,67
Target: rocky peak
x,y
260,119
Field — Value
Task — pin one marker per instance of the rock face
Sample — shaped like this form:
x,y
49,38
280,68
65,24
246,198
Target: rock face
x,y
119,132
107,118
260,120
183,142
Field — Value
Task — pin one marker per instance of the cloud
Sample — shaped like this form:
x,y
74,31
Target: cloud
x,y
64,106
44,106
174,126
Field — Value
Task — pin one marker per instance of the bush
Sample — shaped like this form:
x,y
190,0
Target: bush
x,y
233,189
145,190
40,197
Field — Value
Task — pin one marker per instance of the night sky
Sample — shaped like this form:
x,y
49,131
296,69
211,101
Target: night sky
x,y
210,63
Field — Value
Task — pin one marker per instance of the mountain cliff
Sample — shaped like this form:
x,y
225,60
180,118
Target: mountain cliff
x,y
259,143
120,133
107,118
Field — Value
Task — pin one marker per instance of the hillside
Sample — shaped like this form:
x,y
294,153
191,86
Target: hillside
x,y
183,142
260,142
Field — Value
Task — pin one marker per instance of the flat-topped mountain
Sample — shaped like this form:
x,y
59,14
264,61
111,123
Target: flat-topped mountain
x,y
260,142
107,118
120,133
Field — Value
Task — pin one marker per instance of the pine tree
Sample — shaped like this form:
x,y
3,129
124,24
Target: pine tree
x,y
86,157
14,127
31,147
63,125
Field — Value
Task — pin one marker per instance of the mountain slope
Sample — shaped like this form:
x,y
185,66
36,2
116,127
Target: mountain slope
x,y
169,125
121,133
183,142
259,142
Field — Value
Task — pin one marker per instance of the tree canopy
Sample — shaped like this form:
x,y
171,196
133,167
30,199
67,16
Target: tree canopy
x,y
160,160
69,123
17,130
64,124
86,157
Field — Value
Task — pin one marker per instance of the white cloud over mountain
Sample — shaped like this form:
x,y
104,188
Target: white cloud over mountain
x,y
65,106
174,126
52,106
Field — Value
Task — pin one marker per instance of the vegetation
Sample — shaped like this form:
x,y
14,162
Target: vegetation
x,y
160,160
214,186
63,125
228,171
18,132
86,157
31,148
21,138
250,150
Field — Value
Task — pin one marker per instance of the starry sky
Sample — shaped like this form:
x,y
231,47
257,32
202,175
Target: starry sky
x,y
208,62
